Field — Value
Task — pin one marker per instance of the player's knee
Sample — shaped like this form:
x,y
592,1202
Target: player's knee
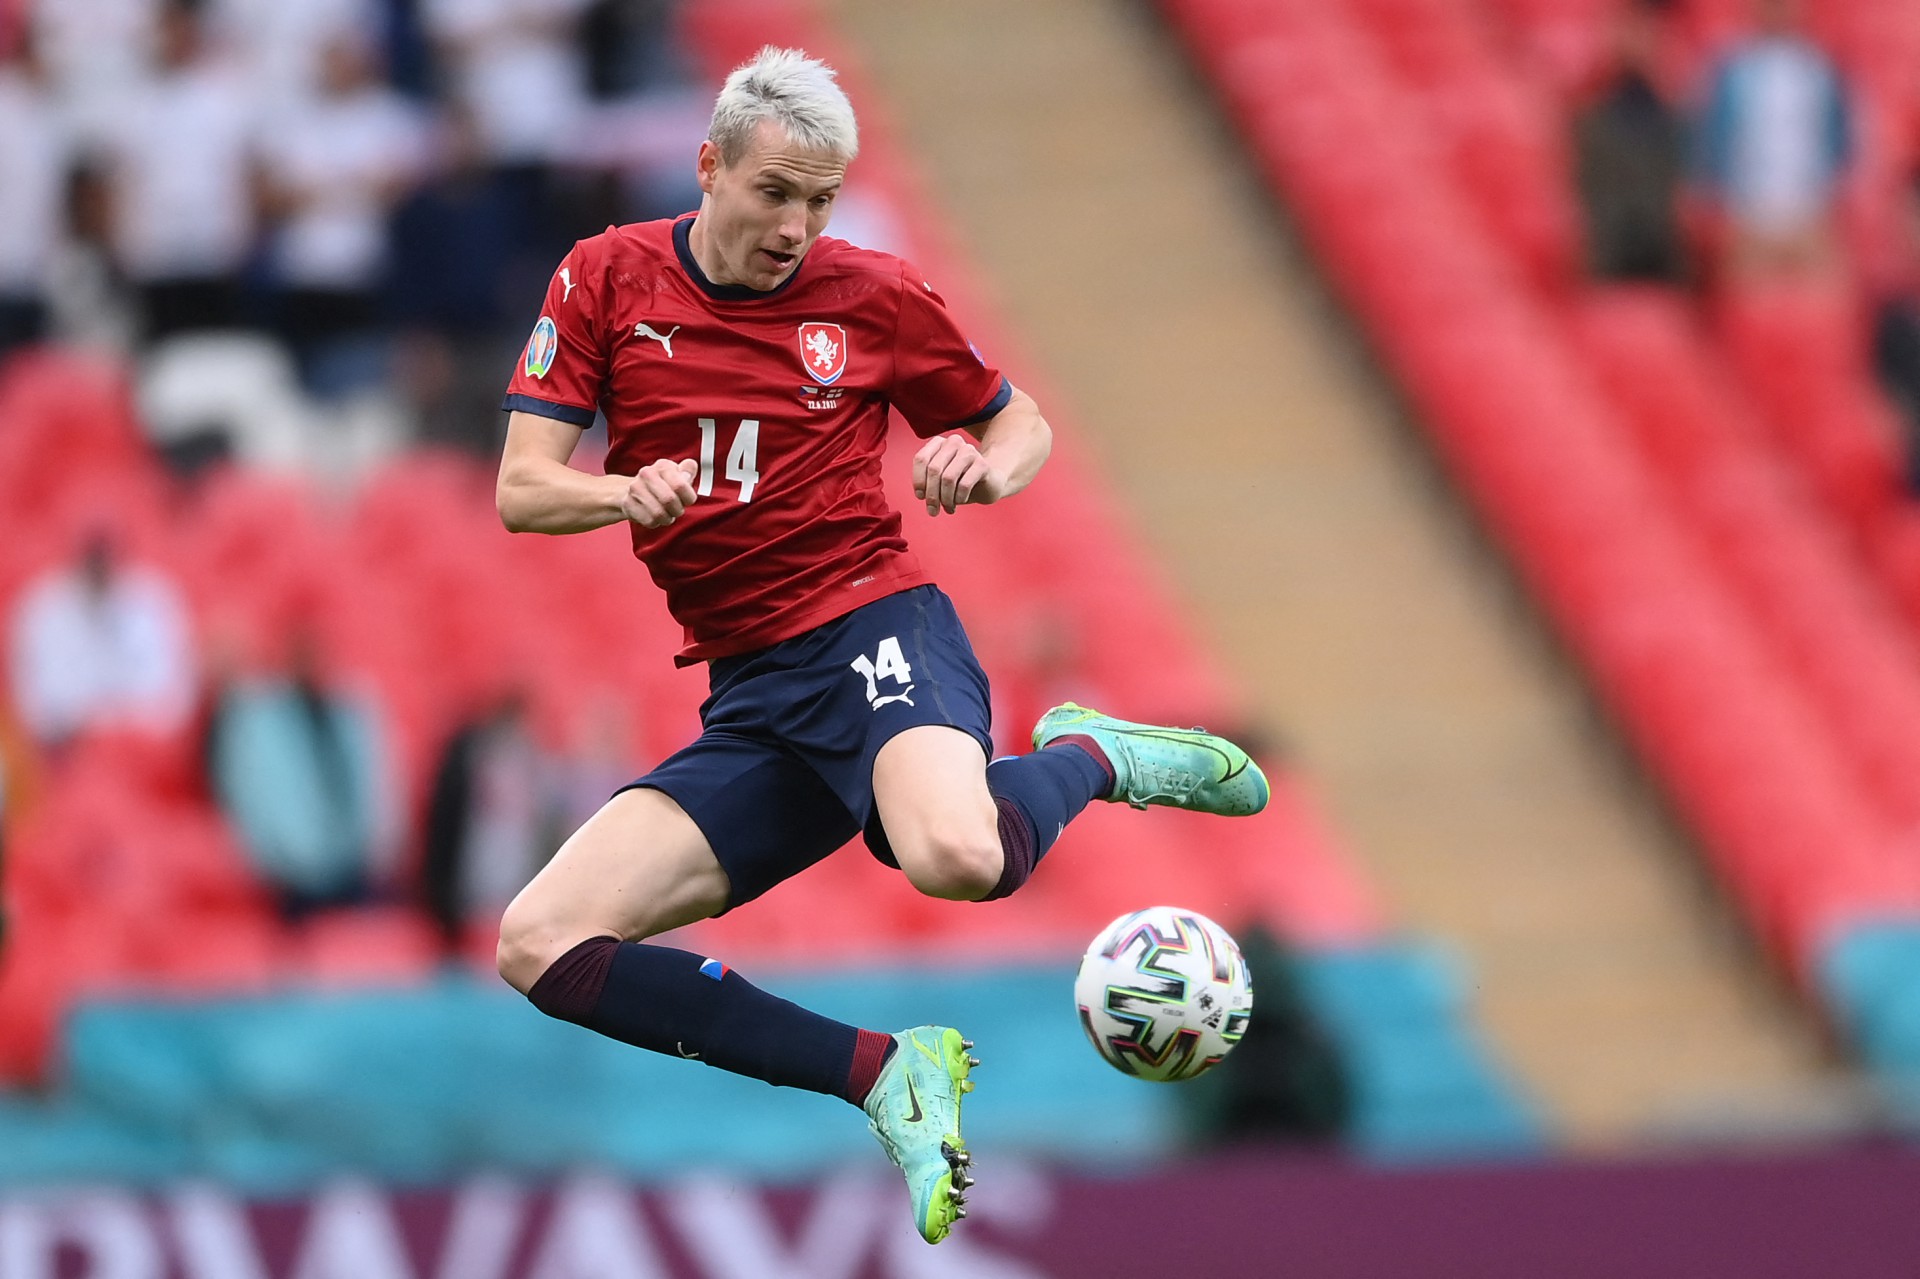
x,y
516,962
955,867
525,950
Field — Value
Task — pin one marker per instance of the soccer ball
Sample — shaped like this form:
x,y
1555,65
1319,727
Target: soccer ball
x,y
1163,993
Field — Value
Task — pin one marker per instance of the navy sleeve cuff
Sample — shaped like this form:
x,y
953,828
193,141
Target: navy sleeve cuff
x,y
569,413
993,406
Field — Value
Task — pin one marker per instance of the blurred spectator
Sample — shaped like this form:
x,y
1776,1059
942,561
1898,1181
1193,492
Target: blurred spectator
x,y
183,172
599,761
1896,332
451,239
337,163
409,54
32,161
1285,1081
96,50
301,771
283,44
628,46
1630,153
87,298
1775,141
516,67
99,644
185,128
486,820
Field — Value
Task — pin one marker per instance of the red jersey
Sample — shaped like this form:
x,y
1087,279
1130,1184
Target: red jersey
x,y
782,397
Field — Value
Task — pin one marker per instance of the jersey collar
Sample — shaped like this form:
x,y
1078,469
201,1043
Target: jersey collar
x,y
682,229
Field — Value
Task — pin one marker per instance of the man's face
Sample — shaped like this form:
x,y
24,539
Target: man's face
x,y
764,211
179,37
344,67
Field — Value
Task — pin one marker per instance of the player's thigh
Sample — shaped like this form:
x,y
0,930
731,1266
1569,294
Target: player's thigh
x,y
930,791
638,867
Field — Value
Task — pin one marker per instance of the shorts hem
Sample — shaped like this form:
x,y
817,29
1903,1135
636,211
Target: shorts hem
x,y
680,801
879,741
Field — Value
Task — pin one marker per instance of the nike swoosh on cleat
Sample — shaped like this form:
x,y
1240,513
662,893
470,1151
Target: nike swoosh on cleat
x,y
1180,739
914,1097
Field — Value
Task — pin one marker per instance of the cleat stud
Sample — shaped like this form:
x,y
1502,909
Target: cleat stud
x,y
966,1043
966,1085
972,1062
959,1213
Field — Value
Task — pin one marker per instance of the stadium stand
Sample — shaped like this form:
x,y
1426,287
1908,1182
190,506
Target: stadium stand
x,y
185,1028
1697,498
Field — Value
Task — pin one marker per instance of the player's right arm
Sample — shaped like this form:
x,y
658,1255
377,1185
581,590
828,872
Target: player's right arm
x,y
538,492
552,398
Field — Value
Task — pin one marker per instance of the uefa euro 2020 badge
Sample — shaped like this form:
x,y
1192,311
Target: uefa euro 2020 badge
x,y
542,347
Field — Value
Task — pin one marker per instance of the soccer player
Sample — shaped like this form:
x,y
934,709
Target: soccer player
x,y
746,366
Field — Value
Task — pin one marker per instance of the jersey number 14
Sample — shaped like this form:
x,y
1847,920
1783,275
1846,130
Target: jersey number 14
x,y
743,458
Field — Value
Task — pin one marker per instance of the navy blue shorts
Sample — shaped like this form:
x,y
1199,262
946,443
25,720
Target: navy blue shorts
x,y
782,772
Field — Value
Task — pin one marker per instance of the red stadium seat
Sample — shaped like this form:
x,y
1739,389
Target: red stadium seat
x,y
1795,574
215,953
373,945
43,969
1803,353
1430,182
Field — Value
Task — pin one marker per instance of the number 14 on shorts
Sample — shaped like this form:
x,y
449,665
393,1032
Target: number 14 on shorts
x,y
887,663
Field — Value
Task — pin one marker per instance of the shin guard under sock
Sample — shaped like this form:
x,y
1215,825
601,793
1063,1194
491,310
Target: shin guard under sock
x,y
673,1001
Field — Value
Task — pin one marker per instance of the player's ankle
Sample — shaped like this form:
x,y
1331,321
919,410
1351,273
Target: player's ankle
x,y
871,1053
1093,748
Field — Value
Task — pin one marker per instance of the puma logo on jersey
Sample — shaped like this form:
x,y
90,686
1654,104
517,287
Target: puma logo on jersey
x,y
664,339
566,278
878,702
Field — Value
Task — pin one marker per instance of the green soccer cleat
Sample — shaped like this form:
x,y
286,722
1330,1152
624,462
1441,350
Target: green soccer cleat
x,y
914,1109
1177,767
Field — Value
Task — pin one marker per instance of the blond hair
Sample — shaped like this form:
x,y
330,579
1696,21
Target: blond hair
x,y
799,93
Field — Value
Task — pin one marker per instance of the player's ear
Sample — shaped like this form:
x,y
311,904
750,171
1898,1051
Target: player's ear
x,y
706,165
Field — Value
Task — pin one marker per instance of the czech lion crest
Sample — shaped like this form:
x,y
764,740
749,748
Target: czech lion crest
x,y
823,351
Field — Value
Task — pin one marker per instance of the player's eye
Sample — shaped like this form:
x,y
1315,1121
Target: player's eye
x,y
821,201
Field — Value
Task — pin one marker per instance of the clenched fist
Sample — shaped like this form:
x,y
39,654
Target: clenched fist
x,y
661,493
950,471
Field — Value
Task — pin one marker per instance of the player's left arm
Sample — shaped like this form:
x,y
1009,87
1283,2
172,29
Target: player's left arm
x,y
998,459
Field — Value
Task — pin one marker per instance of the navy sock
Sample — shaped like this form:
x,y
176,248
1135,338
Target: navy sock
x,y
673,1001
1037,796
